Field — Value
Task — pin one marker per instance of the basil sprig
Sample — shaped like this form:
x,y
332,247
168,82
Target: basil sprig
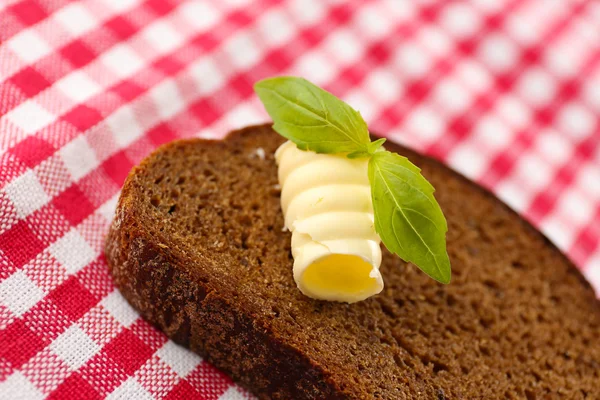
x,y
408,218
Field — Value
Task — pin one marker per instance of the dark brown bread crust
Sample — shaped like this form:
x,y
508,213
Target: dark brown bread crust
x,y
197,248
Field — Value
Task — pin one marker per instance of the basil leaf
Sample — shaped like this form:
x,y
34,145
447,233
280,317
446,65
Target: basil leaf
x,y
311,117
408,219
376,145
371,149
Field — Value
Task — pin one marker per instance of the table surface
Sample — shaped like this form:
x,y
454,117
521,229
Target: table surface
x,y
507,93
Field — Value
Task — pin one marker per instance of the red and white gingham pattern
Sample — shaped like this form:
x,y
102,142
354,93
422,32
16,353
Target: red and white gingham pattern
x,y
508,93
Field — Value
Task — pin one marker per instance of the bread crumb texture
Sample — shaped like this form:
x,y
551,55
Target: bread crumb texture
x,y
198,247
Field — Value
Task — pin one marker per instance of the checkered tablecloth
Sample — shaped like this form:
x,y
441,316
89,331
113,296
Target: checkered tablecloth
x,y
508,93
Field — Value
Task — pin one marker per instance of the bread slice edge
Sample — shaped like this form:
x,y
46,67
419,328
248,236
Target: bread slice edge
x,y
194,314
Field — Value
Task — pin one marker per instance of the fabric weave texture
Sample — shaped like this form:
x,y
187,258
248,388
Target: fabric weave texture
x,y
507,93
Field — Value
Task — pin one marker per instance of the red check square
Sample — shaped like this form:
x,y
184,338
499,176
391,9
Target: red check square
x,y
110,376
128,351
161,134
152,337
75,387
18,343
168,66
118,167
28,12
30,81
205,110
121,27
48,224
21,244
127,90
74,205
183,390
73,299
83,117
78,53
47,320
160,7
33,150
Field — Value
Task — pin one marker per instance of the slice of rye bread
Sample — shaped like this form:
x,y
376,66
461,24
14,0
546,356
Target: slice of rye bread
x,y
198,248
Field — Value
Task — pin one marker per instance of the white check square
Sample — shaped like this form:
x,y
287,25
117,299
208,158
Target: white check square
x,y
315,67
557,231
342,46
233,393
498,53
235,3
554,147
275,21
30,117
437,41
18,293
493,132
119,308
78,157
26,193
241,50
130,389
412,60
576,121
536,86
360,101
543,172
561,59
124,126
162,37
243,115
589,178
473,75
122,61
167,98
592,273
121,5
28,46
577,207
180,359
385,85
200,15
72,251
76,19
306,12
460,20
78,86
520,29
591,92
468,160
74,347
372,23
207,76
512,193
452,96
18,387
514,111
425,123
107,210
